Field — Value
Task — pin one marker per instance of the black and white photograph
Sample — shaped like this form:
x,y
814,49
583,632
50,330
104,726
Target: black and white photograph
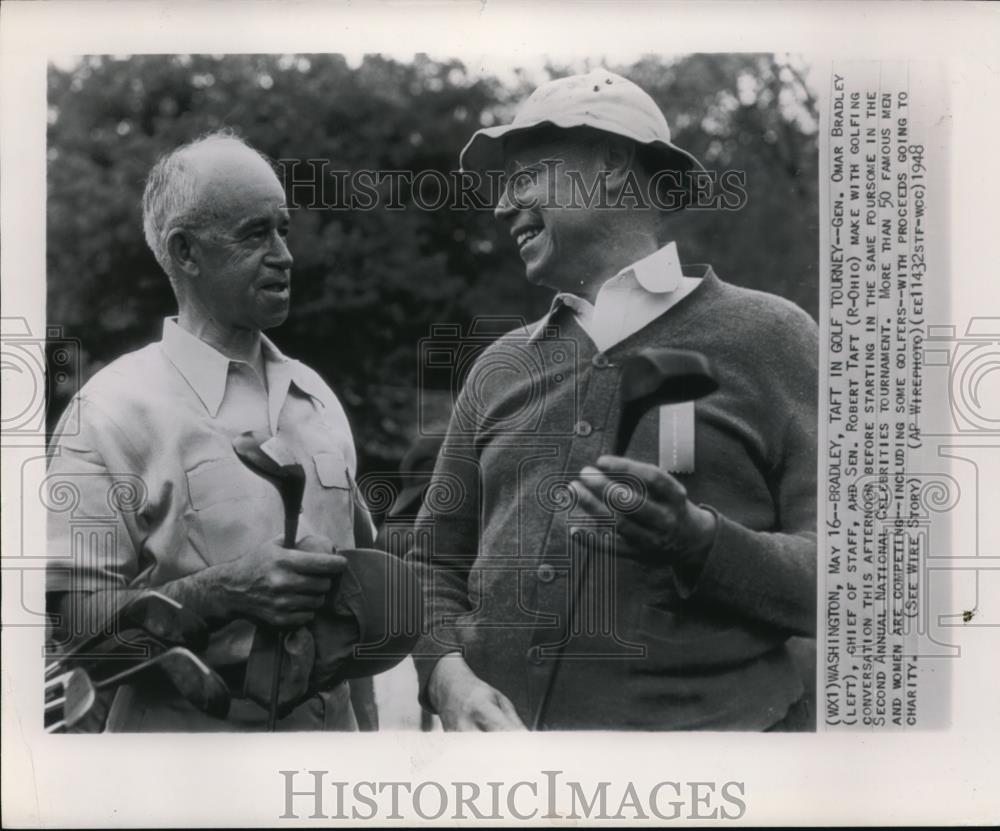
x,y
411,374
622,499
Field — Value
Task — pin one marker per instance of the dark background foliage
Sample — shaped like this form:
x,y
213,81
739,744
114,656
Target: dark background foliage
x,y
369,284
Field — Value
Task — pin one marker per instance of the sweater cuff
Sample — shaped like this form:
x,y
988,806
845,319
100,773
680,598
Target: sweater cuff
x,y
727,558
688,580
769,577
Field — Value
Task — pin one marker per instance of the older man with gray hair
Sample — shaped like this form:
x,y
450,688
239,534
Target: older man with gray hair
x,y
163,420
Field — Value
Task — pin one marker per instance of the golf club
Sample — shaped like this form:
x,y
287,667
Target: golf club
x,y
160,616
655,377
290,480
104,662
192,678
71,696
168,621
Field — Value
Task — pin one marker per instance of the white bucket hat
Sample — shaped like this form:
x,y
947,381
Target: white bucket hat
x,y
601,100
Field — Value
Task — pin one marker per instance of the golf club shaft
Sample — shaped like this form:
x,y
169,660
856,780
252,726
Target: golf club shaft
x,y
279,654
291,532
577,590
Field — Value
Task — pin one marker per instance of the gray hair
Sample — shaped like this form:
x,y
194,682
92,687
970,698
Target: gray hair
x,y
170,199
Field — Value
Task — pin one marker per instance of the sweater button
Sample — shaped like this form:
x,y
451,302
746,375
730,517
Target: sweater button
x,y
535,656
583,428
546,573
600,360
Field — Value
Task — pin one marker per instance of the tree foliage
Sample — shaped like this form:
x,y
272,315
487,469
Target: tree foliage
x,y
367,285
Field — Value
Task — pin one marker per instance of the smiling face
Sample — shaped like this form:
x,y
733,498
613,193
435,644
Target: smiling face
x,y
562,240
244,265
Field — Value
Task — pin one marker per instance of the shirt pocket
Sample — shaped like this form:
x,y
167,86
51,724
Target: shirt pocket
x,y
329,506
331,470
232,510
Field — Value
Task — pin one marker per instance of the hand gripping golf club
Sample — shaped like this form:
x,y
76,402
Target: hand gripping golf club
x,y
68,699
655,377
166,620
290,480
192,678
650,378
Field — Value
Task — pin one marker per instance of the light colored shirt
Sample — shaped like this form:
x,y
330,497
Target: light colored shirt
x,y
631,299
145,487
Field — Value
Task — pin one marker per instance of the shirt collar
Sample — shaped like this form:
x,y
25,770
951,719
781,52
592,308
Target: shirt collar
x,y
580,307
206,369
657,273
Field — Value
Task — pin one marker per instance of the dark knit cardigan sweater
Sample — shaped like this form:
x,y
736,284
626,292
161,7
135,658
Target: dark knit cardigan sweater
x,y
500,563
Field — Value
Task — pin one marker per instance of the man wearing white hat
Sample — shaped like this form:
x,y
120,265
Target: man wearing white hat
x,y
702,542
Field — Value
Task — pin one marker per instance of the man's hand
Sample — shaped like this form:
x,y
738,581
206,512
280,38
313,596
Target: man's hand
x,y
279,586
464,702
659,523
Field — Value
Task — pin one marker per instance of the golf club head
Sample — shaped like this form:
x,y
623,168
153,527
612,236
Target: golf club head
x,y
655,377
289,479
91,643
126,648
196,681
69,698
167,620
129,627
190,676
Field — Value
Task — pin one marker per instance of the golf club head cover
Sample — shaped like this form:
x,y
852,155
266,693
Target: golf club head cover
x,y
297,650
371,621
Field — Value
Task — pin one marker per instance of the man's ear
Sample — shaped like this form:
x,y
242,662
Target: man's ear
x,y
182,250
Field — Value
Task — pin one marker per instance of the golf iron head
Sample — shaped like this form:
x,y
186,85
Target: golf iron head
x,y
168,621
190,676
655,377
160,616
289,479
68,699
